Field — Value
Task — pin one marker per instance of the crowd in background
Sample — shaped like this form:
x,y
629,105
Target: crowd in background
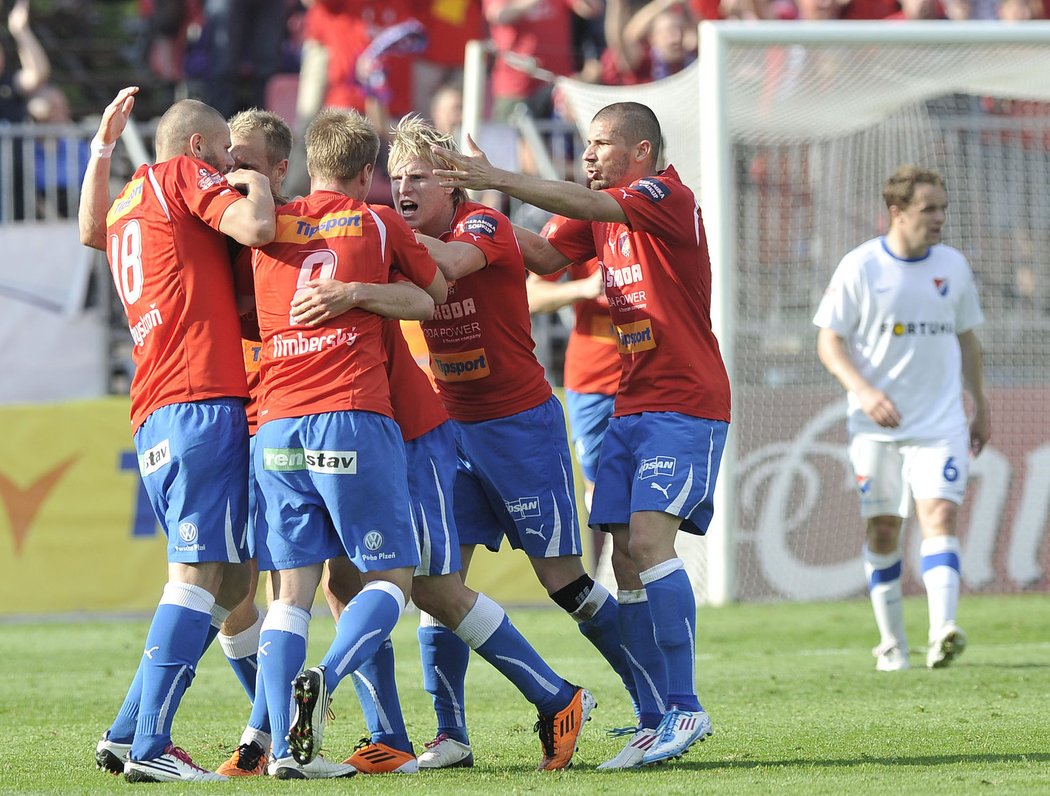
x,y
390,57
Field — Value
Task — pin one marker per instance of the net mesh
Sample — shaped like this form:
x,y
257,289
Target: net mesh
x,y
815,131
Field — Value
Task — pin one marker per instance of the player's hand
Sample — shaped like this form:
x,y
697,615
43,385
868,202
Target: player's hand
x,y
593,286
472,171
980,429
115,116
879,407
321,300
248,182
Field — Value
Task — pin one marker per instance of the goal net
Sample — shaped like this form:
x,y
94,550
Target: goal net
x,y
787,132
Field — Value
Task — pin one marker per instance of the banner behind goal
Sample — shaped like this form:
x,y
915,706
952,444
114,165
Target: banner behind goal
x,y
787,131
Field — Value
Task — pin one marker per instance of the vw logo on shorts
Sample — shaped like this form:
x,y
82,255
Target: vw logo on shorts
x,y
373,540
188,532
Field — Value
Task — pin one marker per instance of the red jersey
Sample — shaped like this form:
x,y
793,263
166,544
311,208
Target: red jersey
x,y
172,272
340,364
658,283
417,408
252,350
592,363
450,25
480,339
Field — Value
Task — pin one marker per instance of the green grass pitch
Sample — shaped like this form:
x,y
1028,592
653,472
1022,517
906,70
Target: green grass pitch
x,y
791,688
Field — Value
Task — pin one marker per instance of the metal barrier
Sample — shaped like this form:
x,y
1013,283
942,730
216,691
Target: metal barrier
x,y
41,170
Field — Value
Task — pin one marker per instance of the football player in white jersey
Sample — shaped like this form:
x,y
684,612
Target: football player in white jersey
x,y
897,330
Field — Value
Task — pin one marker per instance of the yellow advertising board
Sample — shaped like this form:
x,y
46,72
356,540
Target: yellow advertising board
x,y
77,533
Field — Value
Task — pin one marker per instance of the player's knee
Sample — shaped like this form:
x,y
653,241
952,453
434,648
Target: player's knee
x,y
883,533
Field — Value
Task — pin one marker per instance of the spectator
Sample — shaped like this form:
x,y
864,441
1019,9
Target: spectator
x,y
243,41
57,158
1021,10
16,85
658,41
918,9
530,34
449,25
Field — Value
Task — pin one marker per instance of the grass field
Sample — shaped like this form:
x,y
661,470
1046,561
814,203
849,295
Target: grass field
x,y
796,705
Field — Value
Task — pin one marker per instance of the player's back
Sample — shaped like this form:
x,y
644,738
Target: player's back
x,y
172,271
340,364
480,339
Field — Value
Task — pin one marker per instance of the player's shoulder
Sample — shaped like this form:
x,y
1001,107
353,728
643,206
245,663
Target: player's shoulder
x,y
868,255
949,255
477,221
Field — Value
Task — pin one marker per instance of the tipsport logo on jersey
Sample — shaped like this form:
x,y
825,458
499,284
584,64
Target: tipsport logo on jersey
x,y
298,229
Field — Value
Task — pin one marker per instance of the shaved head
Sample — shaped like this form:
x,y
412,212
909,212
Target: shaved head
x,y
636,123
181,121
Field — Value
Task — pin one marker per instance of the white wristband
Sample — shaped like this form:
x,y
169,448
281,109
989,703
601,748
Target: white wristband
x,y
100,150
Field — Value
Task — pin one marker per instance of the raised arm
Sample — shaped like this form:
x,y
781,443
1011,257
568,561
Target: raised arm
x,y
474,172
35,68
973,381
94,196
831,349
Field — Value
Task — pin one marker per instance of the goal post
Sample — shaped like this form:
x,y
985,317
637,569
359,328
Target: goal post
x,y
786,131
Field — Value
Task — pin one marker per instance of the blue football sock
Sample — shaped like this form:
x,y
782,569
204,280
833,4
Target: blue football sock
x,y
445,659
242,652
260,715
377,692
282,654
596,618
174,645
123,728
673,609
647,662
366,623
487,630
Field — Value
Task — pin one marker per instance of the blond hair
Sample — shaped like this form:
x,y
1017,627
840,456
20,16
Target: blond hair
x,y
339,144
411,139
275,131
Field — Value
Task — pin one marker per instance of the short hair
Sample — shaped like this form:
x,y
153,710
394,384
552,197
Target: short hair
x,y
635,122
412,138
340,142
275,131
181,121
900,188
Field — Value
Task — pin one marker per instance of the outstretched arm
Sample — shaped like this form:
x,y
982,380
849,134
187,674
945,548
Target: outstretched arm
x,y
94,196
539,255
973,381
473,171
831,348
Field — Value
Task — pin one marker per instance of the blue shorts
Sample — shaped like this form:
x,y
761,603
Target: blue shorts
x,y
515,480
431,484
589,415
331,484
193,458
659,461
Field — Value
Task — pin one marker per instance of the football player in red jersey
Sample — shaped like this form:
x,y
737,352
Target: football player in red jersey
x,y
165,236
661,452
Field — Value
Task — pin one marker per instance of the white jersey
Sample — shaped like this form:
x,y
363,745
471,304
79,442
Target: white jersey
x,y
901,320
